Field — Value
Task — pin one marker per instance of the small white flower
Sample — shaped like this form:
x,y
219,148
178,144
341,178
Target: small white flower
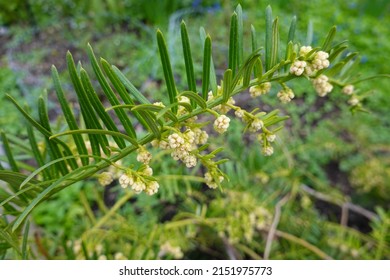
x,y
268,150
138,186
202,138
221,124
258,90
298,67
159,104
175,141
239,113
143,156
320,60
271,137
304,50
148,171
190,161
353,101
285,95
256,125
348,89
210,180
322,86
105,178
126,180
224,108
152,188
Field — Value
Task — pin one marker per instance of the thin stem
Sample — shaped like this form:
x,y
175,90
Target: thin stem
x,y
274,225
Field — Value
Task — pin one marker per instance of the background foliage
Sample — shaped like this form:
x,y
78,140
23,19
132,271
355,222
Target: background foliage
x,y
327,160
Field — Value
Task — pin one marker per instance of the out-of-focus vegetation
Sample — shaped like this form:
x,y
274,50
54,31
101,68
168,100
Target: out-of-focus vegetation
x,y
326,187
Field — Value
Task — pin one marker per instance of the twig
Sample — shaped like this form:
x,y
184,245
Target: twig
x,y
304,243
344,215
350,206
274,225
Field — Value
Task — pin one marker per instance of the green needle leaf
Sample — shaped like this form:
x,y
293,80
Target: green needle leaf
x,y
233,44
206,67
188,59
69,117
268,38
167,68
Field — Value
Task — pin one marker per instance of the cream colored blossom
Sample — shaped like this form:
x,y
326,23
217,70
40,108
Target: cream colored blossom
x,y
298,67
285,95
221,124
105,178
348,89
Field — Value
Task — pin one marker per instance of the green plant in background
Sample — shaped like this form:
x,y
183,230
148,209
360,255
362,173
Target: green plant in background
x,y
96,145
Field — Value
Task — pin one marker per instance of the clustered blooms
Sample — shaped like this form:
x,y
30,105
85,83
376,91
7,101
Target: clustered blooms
x,y
210,181
322,86
260,89
348,89
168,249
105,178
298,67
221,124
285,95
139,181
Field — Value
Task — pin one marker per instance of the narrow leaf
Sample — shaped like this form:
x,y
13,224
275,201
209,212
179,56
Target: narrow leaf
x,y
329,39
194,97
112,98
275,43
98,107
54,150
86,110
69,117
309,36
8,152
206,67
227,81
268,38
37,154
188,59
213,76
167,69
240,34
233,44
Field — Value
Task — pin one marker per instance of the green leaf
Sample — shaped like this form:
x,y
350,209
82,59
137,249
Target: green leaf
x,y
126,83
309,36
70,177
258,69
8,152
119,81
25,241
206,67
54,150
233,44
11,240
97,132
90,119
329,39
69,117
167,69
240,34
112,98
188,59
227,82
155,109
195,98
213,76
98,107
275,43
291,31
268,38
37,154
